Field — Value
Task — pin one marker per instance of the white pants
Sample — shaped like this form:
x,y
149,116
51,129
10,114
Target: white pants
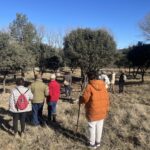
x,y
95,131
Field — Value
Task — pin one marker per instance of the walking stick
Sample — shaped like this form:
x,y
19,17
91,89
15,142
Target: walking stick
x,y
78,117
79,107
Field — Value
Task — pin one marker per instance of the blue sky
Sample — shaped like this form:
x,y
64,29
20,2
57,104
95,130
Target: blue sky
x,y
121,17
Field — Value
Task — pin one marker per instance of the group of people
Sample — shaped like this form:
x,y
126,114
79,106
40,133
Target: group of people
x,y
23,99
95,97
110,82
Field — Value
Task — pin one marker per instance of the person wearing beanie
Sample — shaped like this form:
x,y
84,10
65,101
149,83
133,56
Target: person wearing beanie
x,y
54,94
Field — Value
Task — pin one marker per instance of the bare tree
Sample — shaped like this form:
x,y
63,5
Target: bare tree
x,y
41,32
55,39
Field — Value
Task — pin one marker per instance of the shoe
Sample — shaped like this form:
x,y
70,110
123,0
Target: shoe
x,y
97,145
92,146
43,124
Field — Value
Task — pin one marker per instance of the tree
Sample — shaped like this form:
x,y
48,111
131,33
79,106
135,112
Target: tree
x,y
13,57
4,41
139,55
121,59
22,30
145,26
89,49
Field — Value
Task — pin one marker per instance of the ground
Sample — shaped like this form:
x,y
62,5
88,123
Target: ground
x,y
126,128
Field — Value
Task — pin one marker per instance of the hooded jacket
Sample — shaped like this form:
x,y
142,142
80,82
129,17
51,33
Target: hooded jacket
x,y
96,100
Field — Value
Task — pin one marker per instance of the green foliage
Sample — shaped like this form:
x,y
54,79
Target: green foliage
x,y
47,57
89,49
139,56
4,40
22,30
15,57
121,59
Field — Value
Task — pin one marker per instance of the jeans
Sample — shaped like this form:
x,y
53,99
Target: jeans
x,y
51,109
21,117
37,109
95,131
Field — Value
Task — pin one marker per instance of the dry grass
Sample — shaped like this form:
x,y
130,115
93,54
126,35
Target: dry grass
x,y
126,128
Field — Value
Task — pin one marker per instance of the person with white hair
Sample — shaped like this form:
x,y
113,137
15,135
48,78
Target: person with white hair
x,y
54,94
105,78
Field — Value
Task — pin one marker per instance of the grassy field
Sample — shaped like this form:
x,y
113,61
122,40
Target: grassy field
x,y
126,128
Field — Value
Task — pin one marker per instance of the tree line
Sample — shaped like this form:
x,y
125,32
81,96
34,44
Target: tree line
x,y
23,47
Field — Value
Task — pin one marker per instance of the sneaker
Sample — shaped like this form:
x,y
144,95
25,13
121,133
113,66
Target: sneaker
x,y
97,144
92,146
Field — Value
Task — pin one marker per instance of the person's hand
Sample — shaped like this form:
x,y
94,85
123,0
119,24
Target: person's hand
x,y
80,99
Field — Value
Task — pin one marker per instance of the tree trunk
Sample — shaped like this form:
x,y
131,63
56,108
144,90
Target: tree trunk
x,y
143,73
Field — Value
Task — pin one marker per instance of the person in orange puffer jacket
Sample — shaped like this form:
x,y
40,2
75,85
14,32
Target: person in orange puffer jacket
x,y
96,100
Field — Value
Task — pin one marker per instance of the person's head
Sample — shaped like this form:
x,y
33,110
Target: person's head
x,y
92,75
53,76
19,81
38,76
122,72
103,72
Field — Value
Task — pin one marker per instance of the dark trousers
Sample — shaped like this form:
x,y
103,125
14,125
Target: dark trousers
x,y
68,90
121,87
21,117
37,109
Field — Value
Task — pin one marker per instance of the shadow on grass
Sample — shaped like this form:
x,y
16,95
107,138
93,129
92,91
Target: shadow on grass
x,y
75,136
4,124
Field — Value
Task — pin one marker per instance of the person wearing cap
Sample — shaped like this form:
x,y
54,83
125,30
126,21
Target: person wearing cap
x,y
39,90
54,94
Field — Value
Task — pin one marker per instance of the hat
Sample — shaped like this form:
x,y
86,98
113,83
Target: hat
x,y
53,77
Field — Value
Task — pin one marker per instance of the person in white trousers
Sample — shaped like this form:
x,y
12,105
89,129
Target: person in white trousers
x,y
96,100
95,131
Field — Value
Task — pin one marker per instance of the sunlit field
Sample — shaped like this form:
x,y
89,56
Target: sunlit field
x,y
126,128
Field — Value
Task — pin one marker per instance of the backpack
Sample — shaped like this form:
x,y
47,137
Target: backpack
x,y
22,101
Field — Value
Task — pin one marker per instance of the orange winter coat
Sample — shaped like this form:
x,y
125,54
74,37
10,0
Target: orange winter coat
x,y
96,100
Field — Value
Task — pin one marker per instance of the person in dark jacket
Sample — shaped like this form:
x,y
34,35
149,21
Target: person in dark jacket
x,y
122,80
54,94
67,84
